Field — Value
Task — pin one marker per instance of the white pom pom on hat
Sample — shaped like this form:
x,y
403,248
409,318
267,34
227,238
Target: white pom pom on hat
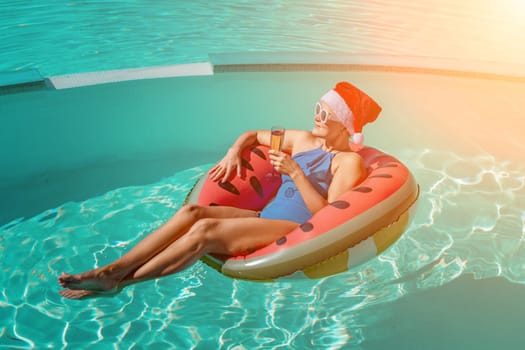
x,y
353,108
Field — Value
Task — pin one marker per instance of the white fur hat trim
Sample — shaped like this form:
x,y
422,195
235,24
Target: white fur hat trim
x,y
342,112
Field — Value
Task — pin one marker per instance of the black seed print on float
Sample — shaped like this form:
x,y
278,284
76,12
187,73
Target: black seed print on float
x,y
307,227
246,164
388,165
228,186
258,152
363,189
340,204
385,176
256,185
281,241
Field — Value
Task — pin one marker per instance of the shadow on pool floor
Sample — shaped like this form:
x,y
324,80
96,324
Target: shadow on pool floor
x,y
463,314
49,190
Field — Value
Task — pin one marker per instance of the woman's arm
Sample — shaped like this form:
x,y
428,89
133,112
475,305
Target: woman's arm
x,y
347,169
290,139
231,162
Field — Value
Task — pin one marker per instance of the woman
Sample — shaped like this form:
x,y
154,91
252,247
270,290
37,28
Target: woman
x,y
321,168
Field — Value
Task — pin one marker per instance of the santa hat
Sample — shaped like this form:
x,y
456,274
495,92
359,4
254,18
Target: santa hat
x,y
353,108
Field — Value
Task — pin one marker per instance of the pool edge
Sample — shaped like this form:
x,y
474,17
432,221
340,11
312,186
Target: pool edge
x,y
298,62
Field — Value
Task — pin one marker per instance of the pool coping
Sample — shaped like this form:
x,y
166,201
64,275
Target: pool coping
x,y
279,62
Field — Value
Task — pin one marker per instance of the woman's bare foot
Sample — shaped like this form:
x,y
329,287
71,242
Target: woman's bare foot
x,y
76,294
98,280
82,293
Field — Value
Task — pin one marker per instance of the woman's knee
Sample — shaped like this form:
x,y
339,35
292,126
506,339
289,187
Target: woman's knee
x,y
204,229
194,211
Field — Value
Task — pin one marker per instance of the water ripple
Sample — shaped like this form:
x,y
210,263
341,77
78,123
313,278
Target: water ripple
x,y
470,220
136,34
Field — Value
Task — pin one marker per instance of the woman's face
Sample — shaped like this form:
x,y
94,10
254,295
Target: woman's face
x,y
324,126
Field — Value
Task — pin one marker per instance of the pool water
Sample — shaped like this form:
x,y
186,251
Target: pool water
x,y
87,172
202,309
60,37
465,246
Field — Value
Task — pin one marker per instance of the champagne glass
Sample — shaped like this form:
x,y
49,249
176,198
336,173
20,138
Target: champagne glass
x,y
276,141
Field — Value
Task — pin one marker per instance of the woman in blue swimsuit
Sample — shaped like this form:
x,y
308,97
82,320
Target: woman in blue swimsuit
x,y
321,167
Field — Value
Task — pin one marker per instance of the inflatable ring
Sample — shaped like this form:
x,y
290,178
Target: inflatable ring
x,y
357,227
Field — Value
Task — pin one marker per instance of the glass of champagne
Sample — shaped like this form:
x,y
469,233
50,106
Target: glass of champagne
x,y
276,141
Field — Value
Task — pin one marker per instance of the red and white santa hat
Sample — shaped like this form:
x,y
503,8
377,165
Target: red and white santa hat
x,y
353,108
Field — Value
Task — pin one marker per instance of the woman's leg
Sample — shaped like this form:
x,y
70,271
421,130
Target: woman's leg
x,y
108,277
230,236
219,236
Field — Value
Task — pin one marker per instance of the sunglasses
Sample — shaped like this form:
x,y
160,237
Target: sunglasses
x,y
323,114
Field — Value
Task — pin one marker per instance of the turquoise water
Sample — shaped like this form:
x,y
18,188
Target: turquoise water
x,y
459,269
86,172
62,37
201,309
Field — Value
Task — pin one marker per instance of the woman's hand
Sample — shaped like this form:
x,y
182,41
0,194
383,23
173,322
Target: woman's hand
x,y
283,163
225,169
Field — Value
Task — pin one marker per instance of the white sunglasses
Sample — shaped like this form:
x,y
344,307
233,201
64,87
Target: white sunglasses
x,y
323,114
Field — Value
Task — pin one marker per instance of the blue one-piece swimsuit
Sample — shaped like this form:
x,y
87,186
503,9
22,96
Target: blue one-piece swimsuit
x,y
288,204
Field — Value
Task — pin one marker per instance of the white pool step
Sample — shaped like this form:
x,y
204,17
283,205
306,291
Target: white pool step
x,y
113,76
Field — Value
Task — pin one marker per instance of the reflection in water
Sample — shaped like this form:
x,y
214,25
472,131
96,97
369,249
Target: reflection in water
x,y
470,220
474,205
